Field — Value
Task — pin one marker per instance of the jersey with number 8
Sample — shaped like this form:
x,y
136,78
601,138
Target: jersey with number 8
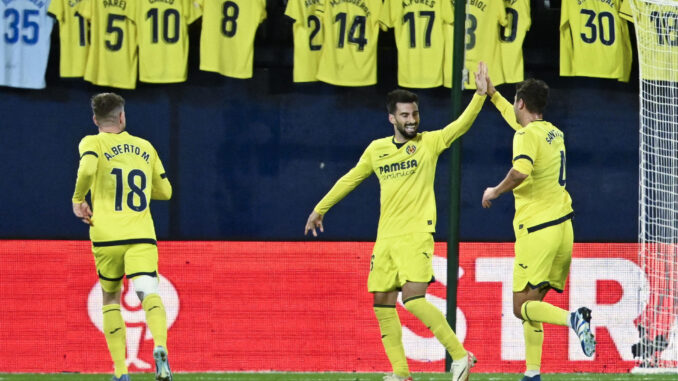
x,y
129,172
227,39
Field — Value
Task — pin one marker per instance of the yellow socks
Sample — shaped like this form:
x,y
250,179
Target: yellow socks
x,y
114,330
156,319
436,322
535,311
534,338
392,338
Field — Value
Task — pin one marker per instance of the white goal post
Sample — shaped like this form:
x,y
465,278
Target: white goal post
x,y
656,26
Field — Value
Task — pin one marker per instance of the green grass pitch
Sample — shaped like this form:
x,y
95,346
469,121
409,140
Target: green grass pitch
x,y
332,377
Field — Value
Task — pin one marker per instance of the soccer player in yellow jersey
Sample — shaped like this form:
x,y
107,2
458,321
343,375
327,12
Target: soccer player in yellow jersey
x,y
542,223
123,173
402,258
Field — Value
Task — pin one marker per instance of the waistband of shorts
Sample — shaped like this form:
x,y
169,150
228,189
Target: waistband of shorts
x,y
132,241
557,221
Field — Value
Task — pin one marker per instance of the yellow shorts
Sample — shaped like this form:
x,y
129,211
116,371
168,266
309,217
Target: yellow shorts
x,y
396,260
543,257
114,262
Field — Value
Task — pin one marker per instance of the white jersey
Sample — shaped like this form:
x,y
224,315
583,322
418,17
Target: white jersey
x,y
24,44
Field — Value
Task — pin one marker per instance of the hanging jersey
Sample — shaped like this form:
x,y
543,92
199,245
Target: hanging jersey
x,y
128,174
24,47
406,175
351,31
594,40
512,38
660,37
308,36
73,38
483,22
227,39
162,28
112,59
420,40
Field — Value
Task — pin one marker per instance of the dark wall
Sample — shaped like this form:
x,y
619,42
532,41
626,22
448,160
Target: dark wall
x,y
250,158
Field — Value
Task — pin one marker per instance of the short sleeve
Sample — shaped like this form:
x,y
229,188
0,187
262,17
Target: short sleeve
x,y
192,11
385,17
88,146
56,8
524,151
292,10
84,8
447,12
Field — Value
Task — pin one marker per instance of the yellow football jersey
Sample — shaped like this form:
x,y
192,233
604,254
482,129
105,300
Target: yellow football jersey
x,y
512,38
112,59
658,42
73,38
594,40
351,31
308,39
539,152
406,173
419,35
123,173
163,38
227,39
483,22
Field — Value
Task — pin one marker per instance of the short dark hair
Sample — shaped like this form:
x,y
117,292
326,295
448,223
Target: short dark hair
x,y
399,96
105,104
535,94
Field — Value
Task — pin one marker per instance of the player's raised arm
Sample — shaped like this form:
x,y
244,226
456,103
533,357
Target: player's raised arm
x,y
504,106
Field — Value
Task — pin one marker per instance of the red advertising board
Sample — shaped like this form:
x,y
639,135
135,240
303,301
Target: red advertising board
x,y
298,306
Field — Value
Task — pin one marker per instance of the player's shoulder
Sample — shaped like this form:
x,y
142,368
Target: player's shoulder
x,y
381,142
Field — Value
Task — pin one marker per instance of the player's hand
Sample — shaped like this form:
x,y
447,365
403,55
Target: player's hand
x,y
481,78
489,195
490,87
83,212
315,220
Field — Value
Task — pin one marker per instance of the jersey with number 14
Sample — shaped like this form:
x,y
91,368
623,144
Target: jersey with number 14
x,y
594,40
112,59
73,38
128,174
227,39
351,31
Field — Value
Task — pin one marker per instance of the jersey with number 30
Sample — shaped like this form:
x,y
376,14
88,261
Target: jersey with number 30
x,y
512,38
594,40
24,44
228,31
112,59
73,38
351,31
128,174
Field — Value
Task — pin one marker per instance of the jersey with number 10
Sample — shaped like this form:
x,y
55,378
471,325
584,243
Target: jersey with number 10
x,y
73,38
351,31
419,37
112,59
227,39
24,44
128,174
512,38
308,38
594,40
163,39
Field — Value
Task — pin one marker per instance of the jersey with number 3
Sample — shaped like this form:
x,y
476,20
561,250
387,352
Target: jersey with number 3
x,y
163,39
227,39
594,40
128,174
419,29
308,37
512,38
112,59
73,38
25,41
351,31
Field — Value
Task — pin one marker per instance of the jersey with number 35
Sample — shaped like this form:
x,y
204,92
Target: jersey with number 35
x,y
112,59
128,174
594,40
227,39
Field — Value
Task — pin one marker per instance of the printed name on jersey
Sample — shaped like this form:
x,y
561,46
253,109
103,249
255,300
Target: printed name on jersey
x,y
553,134
38,3
122,4
308,3
611,3
360,3
429,3
170,2
480,4
126,148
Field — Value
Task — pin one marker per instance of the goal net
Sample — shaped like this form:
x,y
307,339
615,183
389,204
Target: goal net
x,y
656,25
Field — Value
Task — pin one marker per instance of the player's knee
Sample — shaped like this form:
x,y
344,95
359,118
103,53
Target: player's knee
x,y
145,285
